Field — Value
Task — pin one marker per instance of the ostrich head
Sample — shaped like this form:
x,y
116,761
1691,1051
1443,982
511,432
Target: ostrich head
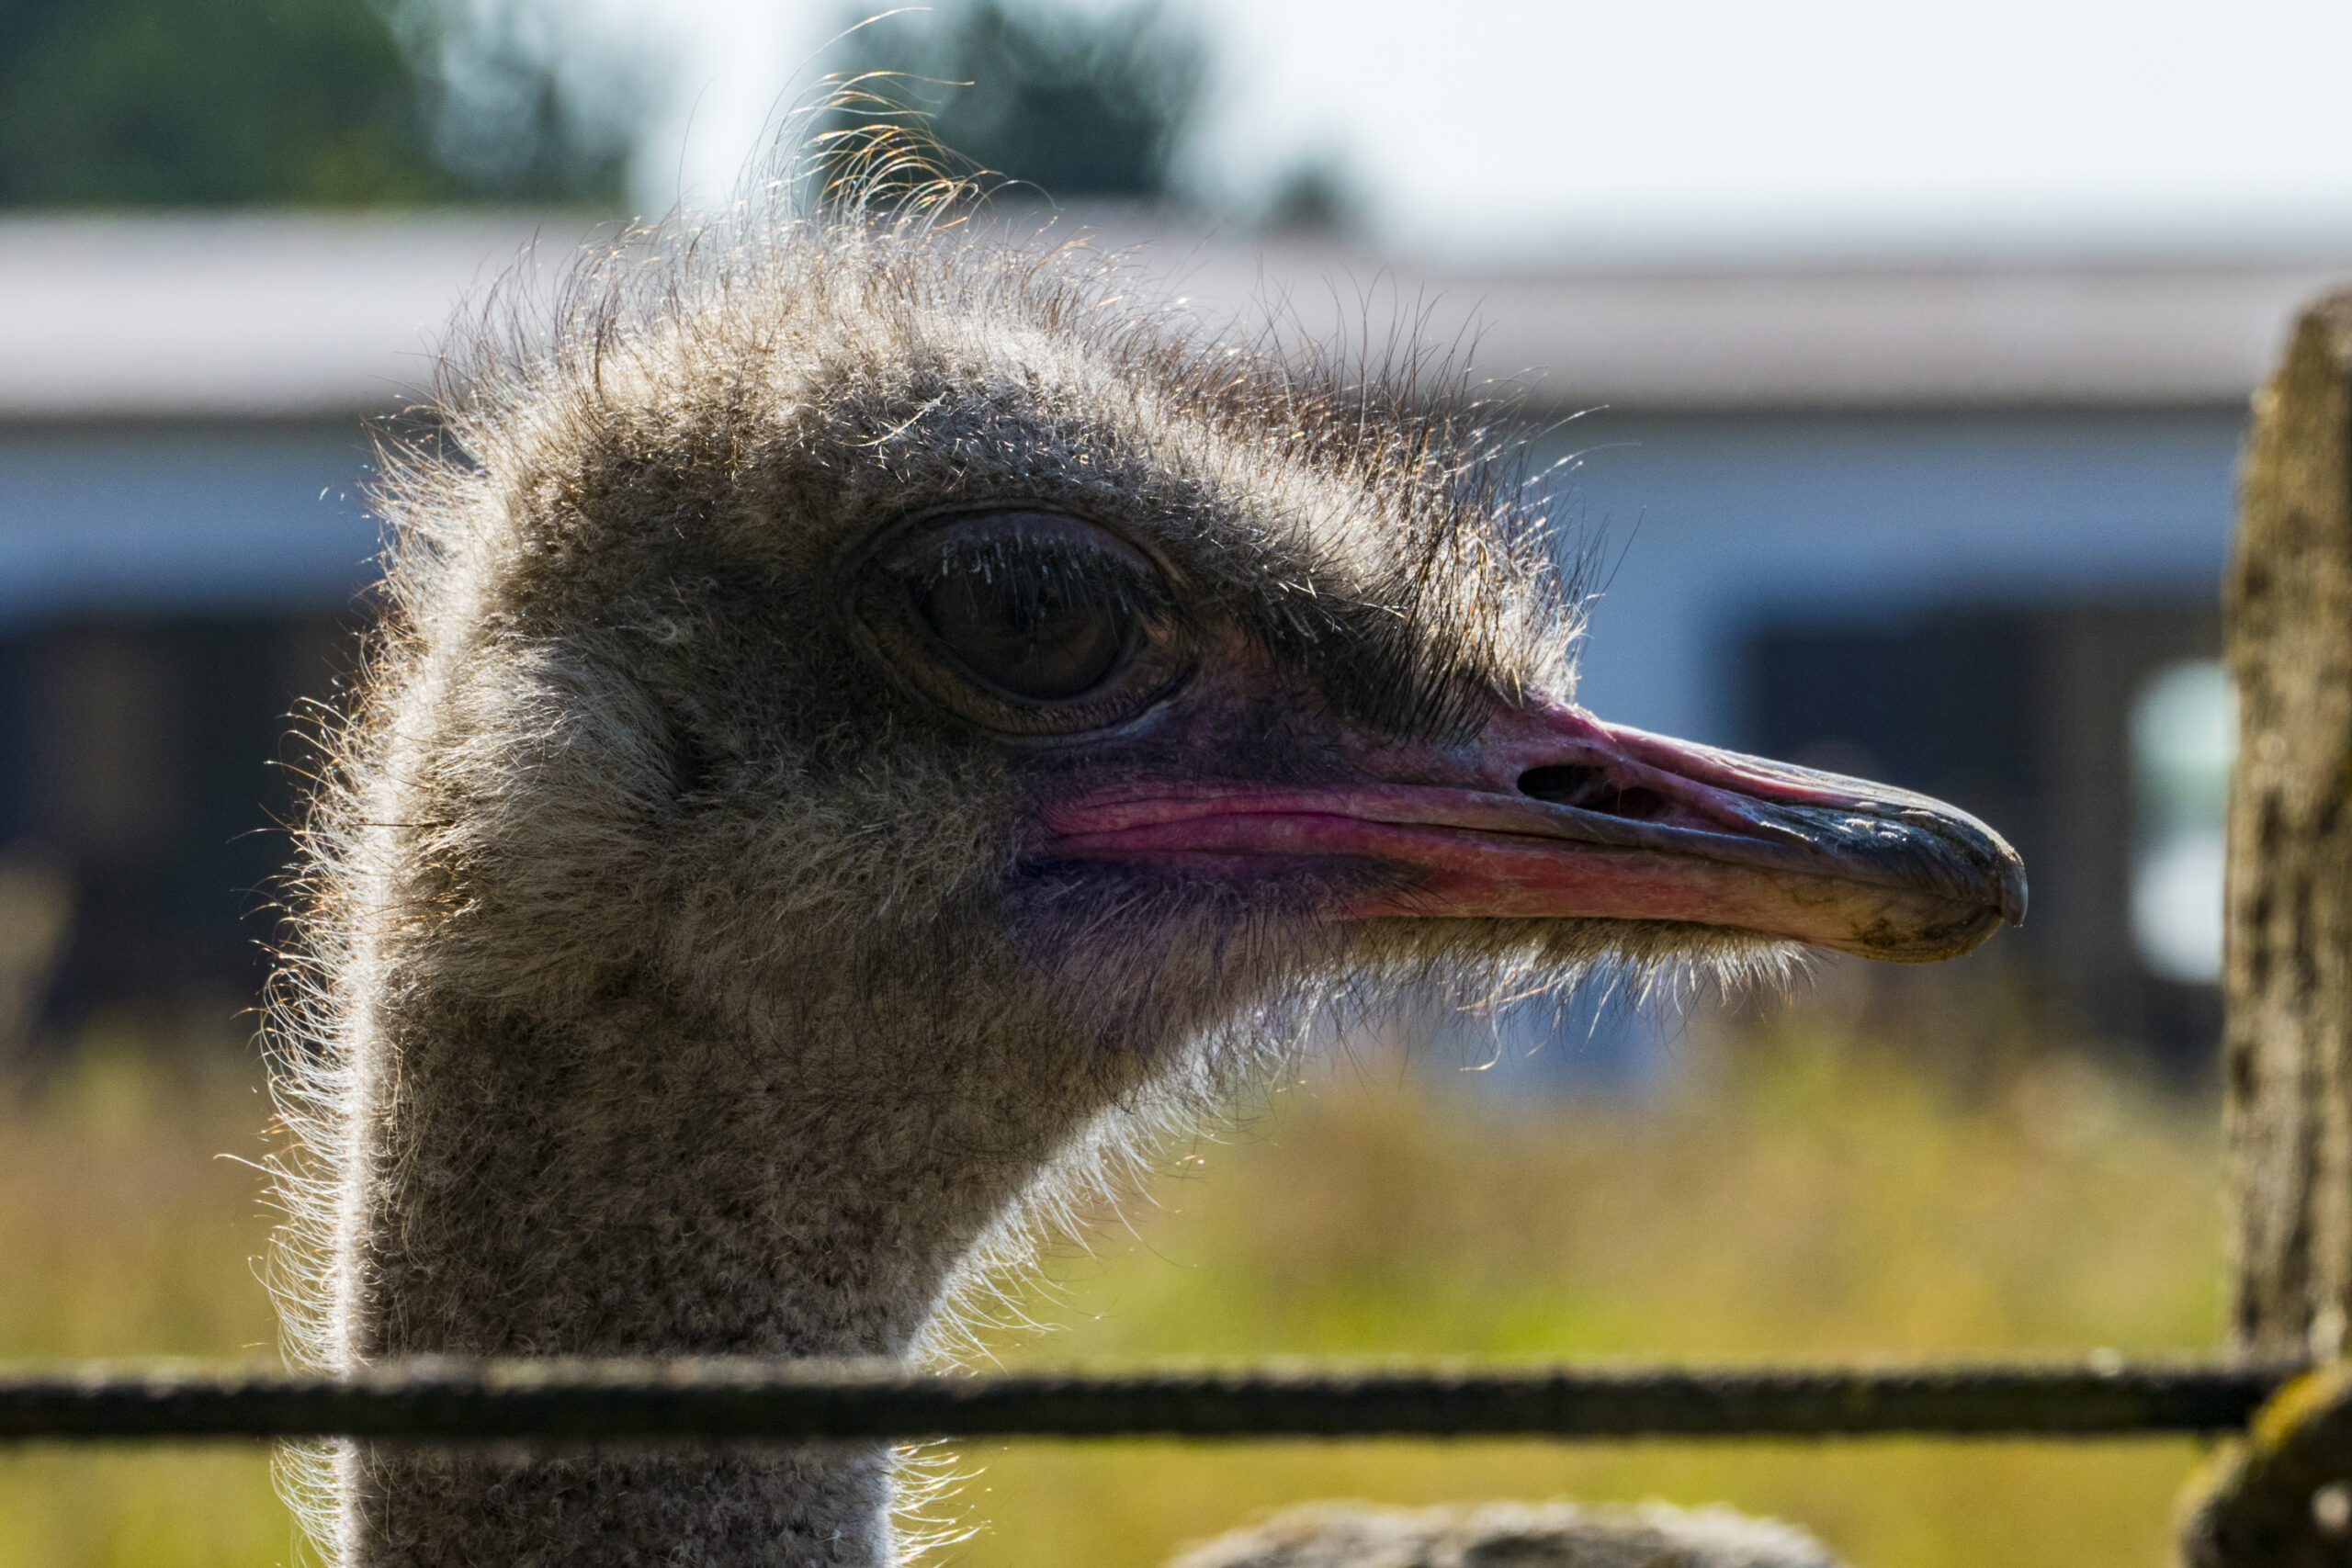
x,y
869,716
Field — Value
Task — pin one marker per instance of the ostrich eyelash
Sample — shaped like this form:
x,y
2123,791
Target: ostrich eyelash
x,y
1049,569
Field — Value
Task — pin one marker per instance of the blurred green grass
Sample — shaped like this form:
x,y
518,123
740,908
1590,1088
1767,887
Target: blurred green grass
x,y
1796,1195
128,1227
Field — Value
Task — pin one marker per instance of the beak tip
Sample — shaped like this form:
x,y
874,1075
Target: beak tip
x,y
2013,893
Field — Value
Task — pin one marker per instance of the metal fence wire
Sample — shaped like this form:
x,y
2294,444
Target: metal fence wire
x,y
436,1400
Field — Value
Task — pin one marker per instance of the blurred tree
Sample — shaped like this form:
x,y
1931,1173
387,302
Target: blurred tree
x,y
1313,196
1078,104
322,102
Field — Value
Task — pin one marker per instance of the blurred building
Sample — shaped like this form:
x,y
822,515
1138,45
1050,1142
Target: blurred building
x,y
1959,526
184,555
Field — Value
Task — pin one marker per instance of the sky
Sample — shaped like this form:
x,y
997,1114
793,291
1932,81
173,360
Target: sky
x,y
1528,128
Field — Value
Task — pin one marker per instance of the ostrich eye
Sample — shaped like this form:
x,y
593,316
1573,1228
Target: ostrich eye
x,y
1031,626
1024,621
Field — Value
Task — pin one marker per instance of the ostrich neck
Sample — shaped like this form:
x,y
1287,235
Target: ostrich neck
x,y
637,1179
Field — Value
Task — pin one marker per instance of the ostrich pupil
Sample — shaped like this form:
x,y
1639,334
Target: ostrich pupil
x,y
1027,630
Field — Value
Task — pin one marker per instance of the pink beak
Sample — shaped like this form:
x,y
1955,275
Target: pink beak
x,y
1552,814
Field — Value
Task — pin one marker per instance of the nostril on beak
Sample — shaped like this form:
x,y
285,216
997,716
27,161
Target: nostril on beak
x,y
1641,805
1562,784
1589,788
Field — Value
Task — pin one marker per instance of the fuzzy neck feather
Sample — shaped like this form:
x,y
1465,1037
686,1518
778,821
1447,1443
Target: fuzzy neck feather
x,y
642,1180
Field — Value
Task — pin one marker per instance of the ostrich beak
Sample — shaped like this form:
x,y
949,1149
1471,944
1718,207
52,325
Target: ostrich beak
x,y
1553,814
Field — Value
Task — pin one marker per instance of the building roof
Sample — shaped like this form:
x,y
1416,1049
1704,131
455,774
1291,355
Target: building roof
x,y
279,316
241,315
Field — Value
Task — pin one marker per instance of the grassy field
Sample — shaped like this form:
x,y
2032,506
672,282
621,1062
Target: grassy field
x,y
128,1226
1788,1198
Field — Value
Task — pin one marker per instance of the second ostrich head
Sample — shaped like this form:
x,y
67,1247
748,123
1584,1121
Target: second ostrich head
x,y
869,715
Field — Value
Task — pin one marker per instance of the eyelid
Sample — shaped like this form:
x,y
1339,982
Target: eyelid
x,y
1058,527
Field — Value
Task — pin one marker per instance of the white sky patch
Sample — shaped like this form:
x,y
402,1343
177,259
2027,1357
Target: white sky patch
x,y
1528,127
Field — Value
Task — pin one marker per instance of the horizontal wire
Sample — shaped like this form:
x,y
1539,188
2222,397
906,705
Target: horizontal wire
x,y
442,1400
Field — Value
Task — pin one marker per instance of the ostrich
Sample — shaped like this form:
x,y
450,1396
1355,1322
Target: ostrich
x,y
872,723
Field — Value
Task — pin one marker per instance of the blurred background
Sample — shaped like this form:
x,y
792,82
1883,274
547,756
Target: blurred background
x,y
1888,364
